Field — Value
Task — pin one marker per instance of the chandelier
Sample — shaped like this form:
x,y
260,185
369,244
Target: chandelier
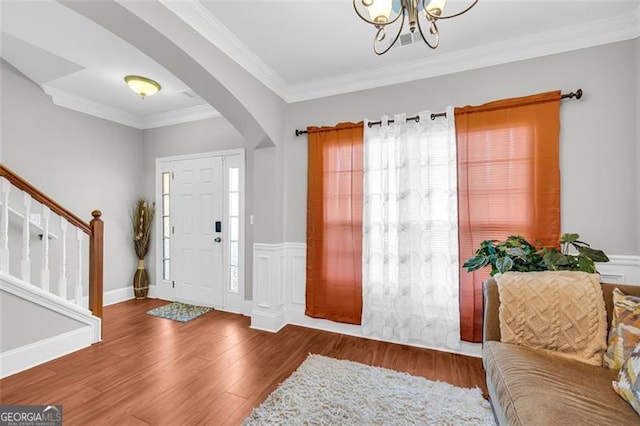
x,y
382,13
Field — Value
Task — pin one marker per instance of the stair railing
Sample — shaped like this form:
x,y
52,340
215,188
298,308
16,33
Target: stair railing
x,y
94,229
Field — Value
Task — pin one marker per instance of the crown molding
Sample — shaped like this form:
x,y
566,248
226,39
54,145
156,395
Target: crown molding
x,y
605,31
198,17
86,106
185,115
590,34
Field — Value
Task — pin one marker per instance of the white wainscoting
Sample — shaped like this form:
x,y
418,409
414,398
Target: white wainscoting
x,y
279,288
620,270
279,294
269,275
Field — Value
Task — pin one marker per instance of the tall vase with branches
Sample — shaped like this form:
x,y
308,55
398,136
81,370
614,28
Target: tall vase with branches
x,y
141,219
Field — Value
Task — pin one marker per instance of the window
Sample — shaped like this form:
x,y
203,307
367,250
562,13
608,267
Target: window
x,y
234,228
166,226
334,224
508,184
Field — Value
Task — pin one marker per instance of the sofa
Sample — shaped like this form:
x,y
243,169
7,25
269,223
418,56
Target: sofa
x,y
535,387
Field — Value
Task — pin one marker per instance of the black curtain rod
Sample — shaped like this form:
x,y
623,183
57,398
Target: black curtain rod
x,y
577,94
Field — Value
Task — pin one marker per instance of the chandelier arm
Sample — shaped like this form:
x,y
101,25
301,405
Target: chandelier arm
x,y
426,11
392,43
437,35
378,24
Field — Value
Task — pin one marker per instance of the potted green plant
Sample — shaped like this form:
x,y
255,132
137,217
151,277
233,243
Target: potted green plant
x,y
141,219
563,260
517,254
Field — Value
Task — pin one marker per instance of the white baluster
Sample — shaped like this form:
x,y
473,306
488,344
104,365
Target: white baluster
x,y
44,272
78,286
25,265
4,227
62,282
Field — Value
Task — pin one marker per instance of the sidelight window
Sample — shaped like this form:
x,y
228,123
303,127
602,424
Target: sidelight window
x,y
166,226
234,228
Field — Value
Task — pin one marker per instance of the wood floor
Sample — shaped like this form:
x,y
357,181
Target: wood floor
x,y
212,370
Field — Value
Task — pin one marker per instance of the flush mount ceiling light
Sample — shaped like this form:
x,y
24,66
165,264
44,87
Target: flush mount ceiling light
x,y
382,13
142,85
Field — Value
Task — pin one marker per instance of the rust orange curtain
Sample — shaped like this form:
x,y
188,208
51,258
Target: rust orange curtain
x,y
508,184
334,223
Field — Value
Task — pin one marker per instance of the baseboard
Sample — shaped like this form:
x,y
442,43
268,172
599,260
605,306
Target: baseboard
x,y
29,356
300,319
267,321
112,297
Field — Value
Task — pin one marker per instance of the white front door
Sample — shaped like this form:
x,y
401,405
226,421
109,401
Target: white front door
x,y
197,205
201,229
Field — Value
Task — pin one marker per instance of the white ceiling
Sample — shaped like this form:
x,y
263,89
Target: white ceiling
x,y
82,65
300,49
315,40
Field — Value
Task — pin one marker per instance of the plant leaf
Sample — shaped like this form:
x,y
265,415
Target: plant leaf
x,y
504,264
515,252
569,238
593,254
586,265
475,263
555,260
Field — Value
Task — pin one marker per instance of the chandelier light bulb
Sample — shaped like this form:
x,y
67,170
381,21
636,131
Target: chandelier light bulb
x,y
436,7
379,10
382,14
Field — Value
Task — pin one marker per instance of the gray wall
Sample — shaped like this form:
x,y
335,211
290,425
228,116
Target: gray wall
x,y
638,137
57,148
83,162
108,166
215,134
35,322
598,138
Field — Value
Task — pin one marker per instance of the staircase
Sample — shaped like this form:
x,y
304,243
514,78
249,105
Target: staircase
x,y
50,280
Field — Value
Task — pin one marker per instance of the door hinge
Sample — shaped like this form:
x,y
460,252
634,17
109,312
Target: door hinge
x,y
173,229
173,284
173,175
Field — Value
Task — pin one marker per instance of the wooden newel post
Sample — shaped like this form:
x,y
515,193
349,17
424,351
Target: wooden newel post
x,y
96,270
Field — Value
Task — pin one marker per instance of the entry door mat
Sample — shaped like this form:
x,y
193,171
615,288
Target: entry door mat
x,y
178,311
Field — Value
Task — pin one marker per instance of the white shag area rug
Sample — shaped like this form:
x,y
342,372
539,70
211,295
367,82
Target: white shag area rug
x,y
327,391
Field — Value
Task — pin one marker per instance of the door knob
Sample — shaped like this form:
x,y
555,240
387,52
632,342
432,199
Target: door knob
x,y
217,239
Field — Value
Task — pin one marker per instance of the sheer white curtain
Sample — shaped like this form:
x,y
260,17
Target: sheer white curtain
x,y
410,231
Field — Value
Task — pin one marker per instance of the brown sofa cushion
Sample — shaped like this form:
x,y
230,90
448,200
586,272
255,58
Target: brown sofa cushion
x,y
536,387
